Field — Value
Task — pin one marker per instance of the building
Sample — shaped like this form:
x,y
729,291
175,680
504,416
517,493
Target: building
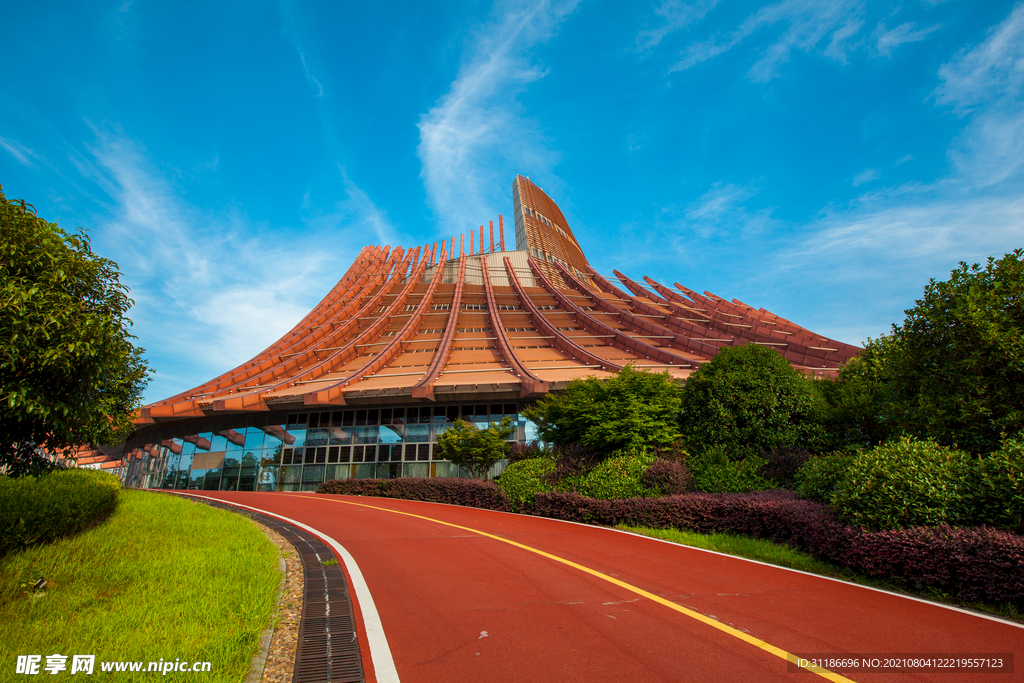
x,y
410,340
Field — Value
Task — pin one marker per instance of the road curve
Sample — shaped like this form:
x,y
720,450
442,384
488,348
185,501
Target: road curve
x,y
475,595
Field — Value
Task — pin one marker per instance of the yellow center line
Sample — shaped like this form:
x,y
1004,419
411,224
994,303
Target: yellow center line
x,y
734,632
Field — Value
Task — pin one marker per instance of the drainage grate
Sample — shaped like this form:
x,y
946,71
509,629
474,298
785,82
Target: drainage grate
x,y
328,650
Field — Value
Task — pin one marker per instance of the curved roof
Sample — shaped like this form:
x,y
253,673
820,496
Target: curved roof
x,y
486,320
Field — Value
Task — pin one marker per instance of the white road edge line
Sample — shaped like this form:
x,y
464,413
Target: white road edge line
x,y
380,652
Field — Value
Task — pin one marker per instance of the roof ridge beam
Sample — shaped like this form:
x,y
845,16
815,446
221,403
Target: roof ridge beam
x,y
391,351
531,383
425,387
619,340
254,400
562,343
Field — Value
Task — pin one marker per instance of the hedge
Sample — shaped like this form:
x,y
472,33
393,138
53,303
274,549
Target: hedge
x,y
466,492
42,509
976,564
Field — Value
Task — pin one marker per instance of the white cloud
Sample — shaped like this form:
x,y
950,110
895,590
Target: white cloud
x,y
310,76
889,39
991,71
674,15
476,135
985,84
212,289
865,176
19,151
808,23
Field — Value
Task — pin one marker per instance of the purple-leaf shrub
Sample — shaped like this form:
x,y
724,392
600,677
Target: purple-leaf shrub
x,y
976,564
467,492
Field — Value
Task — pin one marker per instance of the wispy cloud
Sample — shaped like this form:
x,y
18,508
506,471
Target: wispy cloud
x,y
310,76
673,15
865,176
212,288
476,134
886,40
19,151
985,84
809,25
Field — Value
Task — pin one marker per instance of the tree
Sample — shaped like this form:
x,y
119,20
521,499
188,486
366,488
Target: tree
x,y
954,370
69,373
473,448
751,401
633,409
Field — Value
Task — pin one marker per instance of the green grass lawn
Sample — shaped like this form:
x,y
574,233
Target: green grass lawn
x,y
784,556
162,578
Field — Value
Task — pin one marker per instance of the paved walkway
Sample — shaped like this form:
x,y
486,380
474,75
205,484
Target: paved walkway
x,y
474,595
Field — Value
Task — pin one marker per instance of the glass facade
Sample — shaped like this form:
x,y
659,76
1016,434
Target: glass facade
x,y
297,451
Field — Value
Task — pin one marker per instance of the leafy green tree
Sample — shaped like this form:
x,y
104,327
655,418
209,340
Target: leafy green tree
x,y
749,400
69,373
954,370
634,409
473,448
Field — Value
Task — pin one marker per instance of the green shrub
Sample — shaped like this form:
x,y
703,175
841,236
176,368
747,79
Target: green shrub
x,y
620,476
41,509
751,400
819,477
524,479
996,493
715,472
904,483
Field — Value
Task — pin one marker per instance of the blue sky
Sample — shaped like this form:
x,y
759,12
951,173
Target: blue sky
x,y
820,159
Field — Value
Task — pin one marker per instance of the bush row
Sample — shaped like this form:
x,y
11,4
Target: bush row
x,y
909,482
466,492
42,509
975,564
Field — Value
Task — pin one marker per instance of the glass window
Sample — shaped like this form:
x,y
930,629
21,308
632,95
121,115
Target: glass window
x,y
511,410
269,478
451,413
360,418
195,481
314,474
317,437
417,433
332,454
321,455
340,436
439,414
345,454
392,434
295,437
423,451
212,480
496,413
357,453
291,475
275,434
229,480
247,479
372,417
365,435
347,419
398,415
253,438
385,416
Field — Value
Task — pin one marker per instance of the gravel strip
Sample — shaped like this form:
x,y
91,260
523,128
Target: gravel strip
x,y
280,663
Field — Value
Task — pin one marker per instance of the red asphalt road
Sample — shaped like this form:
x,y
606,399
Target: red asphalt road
x,y
461,607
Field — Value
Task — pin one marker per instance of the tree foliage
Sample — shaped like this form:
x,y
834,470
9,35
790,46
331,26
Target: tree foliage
x,y
69,373
750,401
954,370
473,448
634,409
